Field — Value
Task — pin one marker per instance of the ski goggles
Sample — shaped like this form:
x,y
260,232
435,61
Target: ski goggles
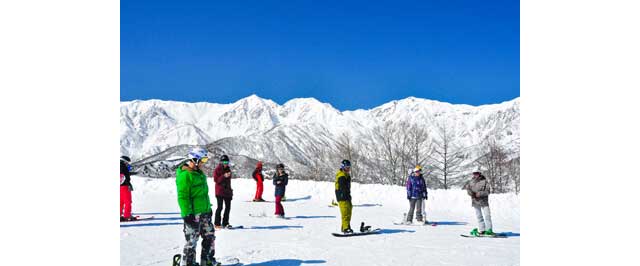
x,y
225,162
201,160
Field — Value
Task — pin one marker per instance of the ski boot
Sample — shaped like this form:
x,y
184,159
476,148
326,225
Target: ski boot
x,y
122,219
474,232
488,233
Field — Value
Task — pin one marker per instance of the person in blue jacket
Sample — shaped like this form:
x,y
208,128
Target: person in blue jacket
x,y
280,180
416,193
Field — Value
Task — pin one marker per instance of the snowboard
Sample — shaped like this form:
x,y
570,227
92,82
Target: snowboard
x,y
371,232
138,218
266,201
232,227
486,236
220,262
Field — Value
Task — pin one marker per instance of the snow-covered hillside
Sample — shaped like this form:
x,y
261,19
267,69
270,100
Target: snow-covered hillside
x,y
293,133
306,238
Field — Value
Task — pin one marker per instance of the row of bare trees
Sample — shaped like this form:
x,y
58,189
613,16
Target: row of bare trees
x,y
395,147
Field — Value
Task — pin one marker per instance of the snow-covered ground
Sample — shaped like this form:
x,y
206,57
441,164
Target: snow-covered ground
x,y
306,238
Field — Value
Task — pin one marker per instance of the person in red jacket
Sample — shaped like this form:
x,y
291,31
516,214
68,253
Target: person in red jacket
x,y
224,193
259,178
125,189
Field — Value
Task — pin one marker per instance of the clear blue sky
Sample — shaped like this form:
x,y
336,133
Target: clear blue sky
x,y
351,54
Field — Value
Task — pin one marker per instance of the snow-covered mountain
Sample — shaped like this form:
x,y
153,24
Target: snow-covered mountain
x,y
293,133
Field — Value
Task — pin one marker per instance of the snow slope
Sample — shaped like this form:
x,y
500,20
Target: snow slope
x,y
305,239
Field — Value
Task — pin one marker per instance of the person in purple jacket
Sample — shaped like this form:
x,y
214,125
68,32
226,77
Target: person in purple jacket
x,y
416,193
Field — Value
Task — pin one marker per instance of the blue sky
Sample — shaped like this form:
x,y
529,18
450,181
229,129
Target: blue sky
x,y
351,54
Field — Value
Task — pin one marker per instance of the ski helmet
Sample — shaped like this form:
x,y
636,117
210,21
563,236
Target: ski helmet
x,y
224,158
418,168
198,154
345,163
125,159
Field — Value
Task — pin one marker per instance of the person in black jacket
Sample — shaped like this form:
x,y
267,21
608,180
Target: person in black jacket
x,y
280,180
125,189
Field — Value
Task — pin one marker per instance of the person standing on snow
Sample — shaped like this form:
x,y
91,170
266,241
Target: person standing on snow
x,y
343,195
125,189
259,178
416,192
478,189
195,209
224,193
280,180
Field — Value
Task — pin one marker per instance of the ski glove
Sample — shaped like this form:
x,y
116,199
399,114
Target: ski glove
x,y
191,220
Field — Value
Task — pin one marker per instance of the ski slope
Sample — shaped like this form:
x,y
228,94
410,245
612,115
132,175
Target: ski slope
x,y
305,238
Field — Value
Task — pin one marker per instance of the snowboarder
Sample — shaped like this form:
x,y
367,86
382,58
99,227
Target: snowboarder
x,y
280,180
224,193
259,178
195,209
478,189
416,193
343,195
125,189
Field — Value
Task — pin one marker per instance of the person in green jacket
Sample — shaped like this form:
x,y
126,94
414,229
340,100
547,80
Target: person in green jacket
x,y
343,195
195,209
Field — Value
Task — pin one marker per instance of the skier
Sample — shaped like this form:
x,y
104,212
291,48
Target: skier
x,y
224,193
125,189
479,190
343,195
195,209
416,192
280,180
259,178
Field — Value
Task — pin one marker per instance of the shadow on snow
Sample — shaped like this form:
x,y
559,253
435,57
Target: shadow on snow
x,y
447,223
297,199
311,217
286,262
273,227
395,231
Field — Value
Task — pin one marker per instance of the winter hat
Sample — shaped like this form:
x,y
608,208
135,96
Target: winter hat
x,y
125,159
259,165
280,166
345,163
224,158
476,173
417,169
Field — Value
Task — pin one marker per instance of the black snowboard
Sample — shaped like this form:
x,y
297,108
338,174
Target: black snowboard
x,y
371,232
138,218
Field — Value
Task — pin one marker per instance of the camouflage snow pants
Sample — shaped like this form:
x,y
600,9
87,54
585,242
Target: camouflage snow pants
x,y
202,227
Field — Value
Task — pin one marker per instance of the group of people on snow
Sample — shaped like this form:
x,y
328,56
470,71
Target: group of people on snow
x,y
195,204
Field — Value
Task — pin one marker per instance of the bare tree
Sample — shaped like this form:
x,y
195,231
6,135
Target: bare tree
x,y
494,164
349,149
514,173
387,157
447,157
